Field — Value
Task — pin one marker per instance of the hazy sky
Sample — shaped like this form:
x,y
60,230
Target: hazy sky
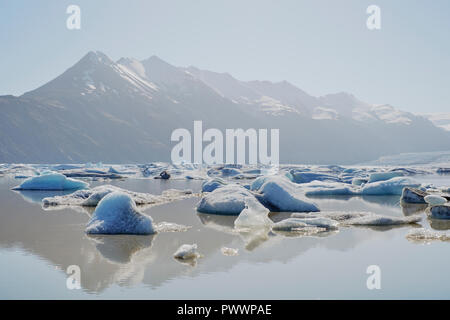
x,y
322,46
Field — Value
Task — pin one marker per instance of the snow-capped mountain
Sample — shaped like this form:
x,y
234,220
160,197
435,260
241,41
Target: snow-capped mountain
x,y
125,111
441,120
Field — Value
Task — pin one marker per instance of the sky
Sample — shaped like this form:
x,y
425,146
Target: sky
x,y
321,46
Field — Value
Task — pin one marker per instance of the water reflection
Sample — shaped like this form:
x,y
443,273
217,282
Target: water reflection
x,y
120,248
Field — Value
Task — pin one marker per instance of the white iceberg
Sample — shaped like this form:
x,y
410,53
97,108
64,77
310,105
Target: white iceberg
x,y
334,215
280,194
392,186
51,181
435,200
227,200
116,213
212,184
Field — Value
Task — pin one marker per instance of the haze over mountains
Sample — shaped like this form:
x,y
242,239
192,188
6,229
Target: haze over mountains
x,y
125,112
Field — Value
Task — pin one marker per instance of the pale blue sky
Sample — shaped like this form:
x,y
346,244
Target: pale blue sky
x,y
322,46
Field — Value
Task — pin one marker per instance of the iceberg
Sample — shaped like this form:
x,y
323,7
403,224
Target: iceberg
x,y
255,215
435,200
116,213
392,186
280,194
305,177
212,184
51,181
413,195
228,200
440,212
383,176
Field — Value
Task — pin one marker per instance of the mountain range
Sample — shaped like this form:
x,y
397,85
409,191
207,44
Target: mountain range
x,y
125,111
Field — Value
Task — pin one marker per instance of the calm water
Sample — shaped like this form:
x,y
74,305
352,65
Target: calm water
x,y
37,246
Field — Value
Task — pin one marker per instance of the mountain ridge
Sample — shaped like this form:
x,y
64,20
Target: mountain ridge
x,y
125,111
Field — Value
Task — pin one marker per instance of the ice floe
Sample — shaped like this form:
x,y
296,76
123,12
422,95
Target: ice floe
x,y
413,195
380,220
440,212
424,236
290,224
51,181
91,197
383,176
435,200
229,251
279,194
170,227
392,186
117,213
228,200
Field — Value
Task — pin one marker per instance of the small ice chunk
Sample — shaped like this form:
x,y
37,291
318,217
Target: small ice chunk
x,y
255,215
51,181
187,252
440,212
229,251
116,213
334,215
424,235
171,227
294,224
380,220
435,200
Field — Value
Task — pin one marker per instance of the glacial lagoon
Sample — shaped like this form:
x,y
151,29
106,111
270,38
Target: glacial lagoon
x,y
37,245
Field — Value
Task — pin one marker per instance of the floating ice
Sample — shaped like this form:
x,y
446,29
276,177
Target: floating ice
x,y
187,252
319,188
280,194
359,181
440,212
227,200
392,186
170,227
380,220
255,215
334,215
307,226
212,184
435,200
413,195
383,176
424,235
51,181
229,251
305,177
116,213
92,197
